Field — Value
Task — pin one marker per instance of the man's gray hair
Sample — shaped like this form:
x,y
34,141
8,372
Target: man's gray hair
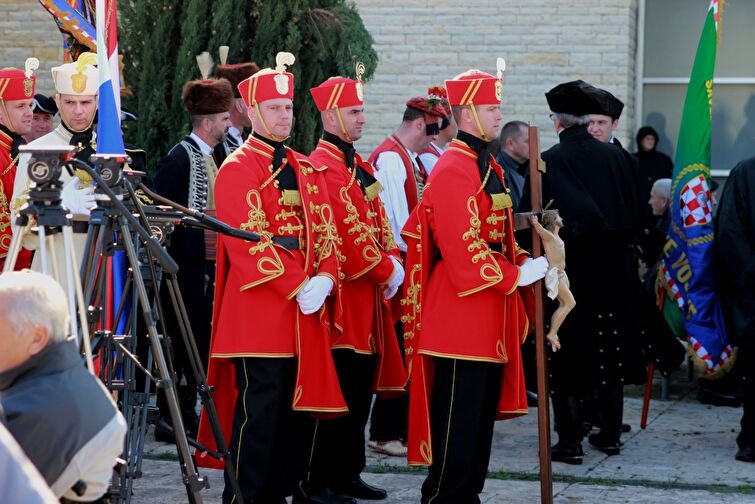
x,y
29,299
569,120
663,187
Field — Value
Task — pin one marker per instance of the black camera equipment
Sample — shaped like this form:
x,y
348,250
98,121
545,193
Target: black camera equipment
x,y
115,225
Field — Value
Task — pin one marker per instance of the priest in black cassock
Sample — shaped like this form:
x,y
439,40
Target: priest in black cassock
x,y
590,183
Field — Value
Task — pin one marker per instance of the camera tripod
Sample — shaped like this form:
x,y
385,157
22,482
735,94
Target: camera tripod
x,y
112,226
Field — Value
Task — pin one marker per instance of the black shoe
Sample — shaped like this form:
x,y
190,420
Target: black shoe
x,y
746,454
360,489
718,396
625,427
164,432
567,455
608,447
327,496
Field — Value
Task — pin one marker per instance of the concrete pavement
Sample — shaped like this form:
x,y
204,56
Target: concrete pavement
x,y
686,454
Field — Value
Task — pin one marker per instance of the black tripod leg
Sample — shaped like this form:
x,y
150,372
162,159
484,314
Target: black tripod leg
x,y
205,393
194,482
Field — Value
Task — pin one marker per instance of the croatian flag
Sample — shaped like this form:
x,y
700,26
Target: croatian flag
x,y
109,136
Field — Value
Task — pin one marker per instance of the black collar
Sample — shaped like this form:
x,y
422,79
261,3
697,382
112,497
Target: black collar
x,y
493,184
475,143
346,147
574,133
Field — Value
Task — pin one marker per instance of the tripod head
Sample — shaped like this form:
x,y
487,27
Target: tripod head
x,y
44,170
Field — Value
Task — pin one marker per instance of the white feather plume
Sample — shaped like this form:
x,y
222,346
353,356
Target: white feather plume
x,y
205,62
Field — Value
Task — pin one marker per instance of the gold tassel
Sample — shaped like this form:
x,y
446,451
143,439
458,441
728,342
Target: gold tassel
x,y
373,190
291,197
501,201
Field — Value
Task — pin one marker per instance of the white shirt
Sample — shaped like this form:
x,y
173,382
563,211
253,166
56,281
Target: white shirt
x,y
391,173
206,149
429,159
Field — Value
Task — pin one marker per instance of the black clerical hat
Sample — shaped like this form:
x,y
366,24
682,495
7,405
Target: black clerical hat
x,y
574,97
44,105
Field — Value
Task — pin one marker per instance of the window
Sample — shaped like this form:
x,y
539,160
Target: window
x,y
667,50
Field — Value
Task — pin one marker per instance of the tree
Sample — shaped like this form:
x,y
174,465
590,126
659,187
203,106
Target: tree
x,y
160,41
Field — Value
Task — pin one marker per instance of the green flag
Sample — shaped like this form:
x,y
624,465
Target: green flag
x,y
688,253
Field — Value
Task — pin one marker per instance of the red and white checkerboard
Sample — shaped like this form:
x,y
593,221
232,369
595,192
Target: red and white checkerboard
x,y
694,202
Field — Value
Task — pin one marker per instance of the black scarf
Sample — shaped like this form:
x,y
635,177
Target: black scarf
x,y
83,140
493,184
365,179
286,177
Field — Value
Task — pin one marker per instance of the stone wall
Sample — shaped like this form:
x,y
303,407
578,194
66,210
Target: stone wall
x,y
27,30
423,42
544,42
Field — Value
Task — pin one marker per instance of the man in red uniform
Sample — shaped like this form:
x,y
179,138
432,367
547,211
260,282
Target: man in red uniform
x,y
366,352
16,103
269,353
465,318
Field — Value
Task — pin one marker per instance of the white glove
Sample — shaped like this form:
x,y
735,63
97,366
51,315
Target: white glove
x,y
532,270
395,281
78,201
313,294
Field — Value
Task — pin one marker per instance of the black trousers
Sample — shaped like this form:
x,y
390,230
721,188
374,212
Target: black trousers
x,y
746,363
390,417
462,417
267,441
569,414
335,451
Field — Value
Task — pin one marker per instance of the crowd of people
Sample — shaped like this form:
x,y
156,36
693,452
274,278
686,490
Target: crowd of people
x,y
390,286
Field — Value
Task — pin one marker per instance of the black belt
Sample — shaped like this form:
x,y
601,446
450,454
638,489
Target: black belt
x,y
80,226
288,242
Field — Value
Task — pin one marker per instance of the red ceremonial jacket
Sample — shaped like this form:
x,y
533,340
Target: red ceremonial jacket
x,y
255,312
7,177
366,244
461,297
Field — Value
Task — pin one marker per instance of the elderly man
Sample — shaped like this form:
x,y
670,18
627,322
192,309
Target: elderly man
x,y
590,183
44,388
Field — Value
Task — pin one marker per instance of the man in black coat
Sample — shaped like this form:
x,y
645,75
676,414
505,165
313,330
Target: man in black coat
x,y
187,176
590,183
734,251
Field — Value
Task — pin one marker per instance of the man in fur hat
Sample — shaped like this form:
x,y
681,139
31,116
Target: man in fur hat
x,y
187,176
239,117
